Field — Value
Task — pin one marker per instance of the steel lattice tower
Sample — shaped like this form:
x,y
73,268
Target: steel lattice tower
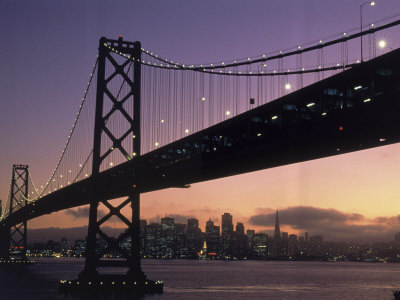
x,y
13,238
93,254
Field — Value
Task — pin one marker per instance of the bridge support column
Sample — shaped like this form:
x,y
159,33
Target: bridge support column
x,y
17,234
134,281
126,143
90,270
135,268
4,242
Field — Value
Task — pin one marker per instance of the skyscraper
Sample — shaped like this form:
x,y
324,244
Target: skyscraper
x,y
277,232
167,223
209,225
260,249
240,229
276,246
192,224
250,242
180,240
153,237
397,237
194,239
227,235
167,237
240,242
212,236
292,244
227,224
143,238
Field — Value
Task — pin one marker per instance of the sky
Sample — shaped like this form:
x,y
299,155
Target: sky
x,y
48,49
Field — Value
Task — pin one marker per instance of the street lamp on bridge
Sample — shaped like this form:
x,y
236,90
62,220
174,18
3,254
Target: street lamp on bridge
x,y
383,44
371,3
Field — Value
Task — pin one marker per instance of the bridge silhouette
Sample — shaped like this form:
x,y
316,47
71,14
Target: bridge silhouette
x,y
159,124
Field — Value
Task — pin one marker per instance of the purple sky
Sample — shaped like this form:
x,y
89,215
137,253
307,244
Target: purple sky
x,y
48,49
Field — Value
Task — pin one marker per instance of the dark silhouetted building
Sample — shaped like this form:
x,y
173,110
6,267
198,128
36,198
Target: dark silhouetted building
x,y
227,236
284,243
180,241
167,238
260,246
276,247
64,244
153,234
194,240
212,236
250,241
80,247
240,249
143,238
292,245
397,237
277,231
192,224
315,245
316,239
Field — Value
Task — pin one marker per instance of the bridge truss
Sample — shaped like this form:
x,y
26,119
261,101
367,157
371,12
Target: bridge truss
x,y
131,77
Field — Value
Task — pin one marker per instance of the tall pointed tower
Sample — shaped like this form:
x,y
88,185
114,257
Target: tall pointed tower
x,y
277,232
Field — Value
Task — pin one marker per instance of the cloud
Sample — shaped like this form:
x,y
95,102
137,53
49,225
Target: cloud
x,y
156,219
83,212
331,223
182,219
205,210
261,210
183,216
303,216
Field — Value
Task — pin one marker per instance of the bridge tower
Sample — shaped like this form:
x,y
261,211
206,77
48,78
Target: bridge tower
x,y
13,238
130,72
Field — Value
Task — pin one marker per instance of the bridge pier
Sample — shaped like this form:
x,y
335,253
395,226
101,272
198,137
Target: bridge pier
x,y
135,266
134,281
90,270
133,260
4,242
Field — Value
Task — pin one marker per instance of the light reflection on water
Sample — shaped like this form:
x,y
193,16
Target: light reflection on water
x,y
190,279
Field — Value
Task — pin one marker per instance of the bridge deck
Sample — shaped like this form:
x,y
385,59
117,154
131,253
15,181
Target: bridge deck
x,y
354,110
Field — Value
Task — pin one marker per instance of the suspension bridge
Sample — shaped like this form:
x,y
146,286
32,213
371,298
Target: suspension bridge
x,y
159,124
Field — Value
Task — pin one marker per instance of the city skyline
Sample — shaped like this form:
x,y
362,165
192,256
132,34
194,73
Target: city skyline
x,y
284,216
356,194
170,240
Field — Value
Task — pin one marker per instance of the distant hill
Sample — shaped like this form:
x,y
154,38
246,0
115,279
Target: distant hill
x,y
42,235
